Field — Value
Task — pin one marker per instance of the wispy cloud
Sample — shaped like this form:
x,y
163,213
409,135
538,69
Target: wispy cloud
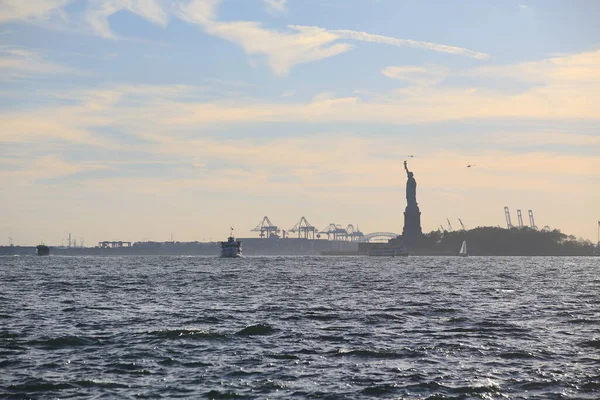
x,y
302,44
16,62
282,49
183,110
580,67
275,5
369,37
99,11
31,10
180,111
423,76
287,93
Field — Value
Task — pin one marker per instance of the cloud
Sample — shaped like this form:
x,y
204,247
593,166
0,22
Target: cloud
x,y
573,68
99,10
17,63
198,11
423,76
275,5
369,37
568,88
287,93
31,10
282,49
304,44
285,49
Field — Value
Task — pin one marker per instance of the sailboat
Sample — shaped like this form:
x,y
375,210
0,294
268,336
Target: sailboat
x,y
463,249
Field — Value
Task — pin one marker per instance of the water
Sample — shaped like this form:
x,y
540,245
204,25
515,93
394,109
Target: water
x,y
300,327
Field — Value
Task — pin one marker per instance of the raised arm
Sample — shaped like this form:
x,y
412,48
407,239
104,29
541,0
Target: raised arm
x,y
406,168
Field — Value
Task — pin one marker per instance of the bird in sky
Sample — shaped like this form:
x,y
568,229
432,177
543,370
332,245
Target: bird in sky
x,y
470,165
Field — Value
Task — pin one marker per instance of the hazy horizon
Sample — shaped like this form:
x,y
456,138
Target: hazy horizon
x,y
141,119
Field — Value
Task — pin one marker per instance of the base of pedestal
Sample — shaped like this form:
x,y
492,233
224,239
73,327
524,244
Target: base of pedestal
x,y
412,225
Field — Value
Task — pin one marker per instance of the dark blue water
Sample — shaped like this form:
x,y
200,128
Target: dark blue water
x,y
299,327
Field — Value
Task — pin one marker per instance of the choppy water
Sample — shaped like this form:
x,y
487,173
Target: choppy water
x,y
293,327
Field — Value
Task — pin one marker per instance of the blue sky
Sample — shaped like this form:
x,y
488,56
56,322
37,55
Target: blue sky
x,y
132,119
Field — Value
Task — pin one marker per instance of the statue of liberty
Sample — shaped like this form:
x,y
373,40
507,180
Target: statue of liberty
x,y
412,215
411,188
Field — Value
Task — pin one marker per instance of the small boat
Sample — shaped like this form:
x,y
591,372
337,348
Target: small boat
x,y
463,249
387,252
231,248
42,250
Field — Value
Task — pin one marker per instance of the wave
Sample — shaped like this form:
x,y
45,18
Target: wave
x,y
40,385
380,390
175,334
8,335
379,354
517,355
284,356
256,330
215,394
65,342
321,317
595,343
101,384
131,368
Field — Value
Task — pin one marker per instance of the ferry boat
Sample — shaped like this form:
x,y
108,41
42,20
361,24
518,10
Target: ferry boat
x,y
231,248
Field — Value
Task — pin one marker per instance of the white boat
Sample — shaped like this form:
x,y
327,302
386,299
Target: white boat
x,y
231,248
463,249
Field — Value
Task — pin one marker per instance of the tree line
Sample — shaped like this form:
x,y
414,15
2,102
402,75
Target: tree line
x,y
496,241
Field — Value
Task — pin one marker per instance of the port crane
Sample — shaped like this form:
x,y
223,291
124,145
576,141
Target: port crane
x,y
354,233
509,224
266,228
531,220
304,229
335,231
520,219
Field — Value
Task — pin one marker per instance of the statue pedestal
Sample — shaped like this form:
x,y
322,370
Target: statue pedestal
x,y
412,225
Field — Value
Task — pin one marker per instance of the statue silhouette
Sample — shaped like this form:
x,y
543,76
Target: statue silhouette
x,y
411,188
412,215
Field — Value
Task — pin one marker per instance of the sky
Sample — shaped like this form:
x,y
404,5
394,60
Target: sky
x,y
150,119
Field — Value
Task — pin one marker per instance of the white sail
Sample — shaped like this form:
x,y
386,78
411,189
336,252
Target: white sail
x,y
463,249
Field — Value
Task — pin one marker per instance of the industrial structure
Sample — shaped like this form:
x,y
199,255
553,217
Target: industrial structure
x,y
531,220
267,229
509,224
520,222
304,229
520,219
113,245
